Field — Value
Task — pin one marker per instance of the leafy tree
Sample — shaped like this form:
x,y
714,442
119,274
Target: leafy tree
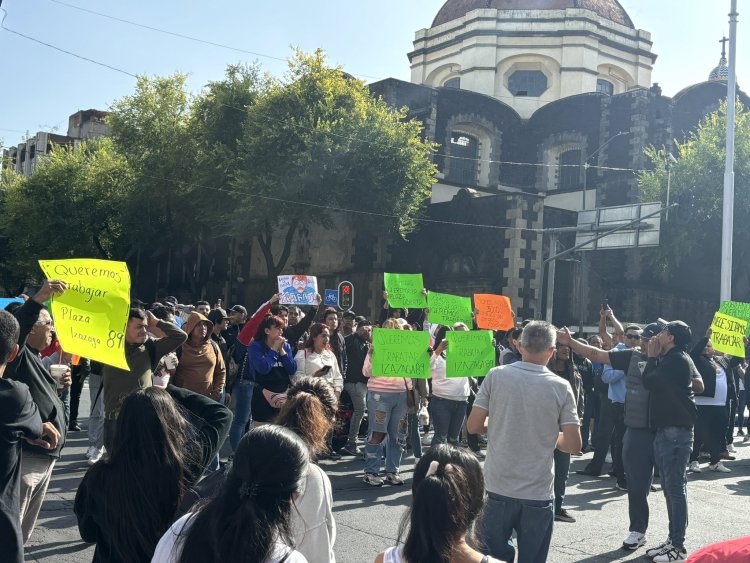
x,y
692,234
151,129
321,138
70,207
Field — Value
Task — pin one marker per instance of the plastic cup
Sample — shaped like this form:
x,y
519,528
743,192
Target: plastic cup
x,y
58,371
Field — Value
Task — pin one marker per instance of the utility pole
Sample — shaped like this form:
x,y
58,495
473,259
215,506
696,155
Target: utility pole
x,y
727,228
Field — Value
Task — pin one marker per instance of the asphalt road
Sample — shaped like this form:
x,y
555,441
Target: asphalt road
x,y
368,518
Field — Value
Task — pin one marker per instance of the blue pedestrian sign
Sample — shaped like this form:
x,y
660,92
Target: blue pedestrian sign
x,y
331,297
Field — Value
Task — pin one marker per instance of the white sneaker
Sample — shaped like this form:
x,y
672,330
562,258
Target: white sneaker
x,y
694,467
634,541
608,459
96,455
91,451
427,439
720,467
730,449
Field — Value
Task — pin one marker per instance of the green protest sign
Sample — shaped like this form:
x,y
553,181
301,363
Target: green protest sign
x,y
448,309
727,333
400,353
738,310
469,353
405,291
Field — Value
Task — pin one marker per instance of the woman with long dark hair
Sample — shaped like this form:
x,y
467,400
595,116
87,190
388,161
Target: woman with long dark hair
x,y
251,518
164,441
447,497
273,363
317,359
310,412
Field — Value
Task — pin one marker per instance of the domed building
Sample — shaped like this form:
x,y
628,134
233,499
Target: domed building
x,y
529,53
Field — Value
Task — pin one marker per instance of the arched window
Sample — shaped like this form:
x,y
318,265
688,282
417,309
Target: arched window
x,y
463,160
569,170
453,83
605,87
531,83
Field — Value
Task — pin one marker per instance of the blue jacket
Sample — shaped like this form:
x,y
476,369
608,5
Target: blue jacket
x,y
616,380
272,370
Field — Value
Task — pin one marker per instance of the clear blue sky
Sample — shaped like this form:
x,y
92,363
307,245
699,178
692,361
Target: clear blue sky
x,y
40,88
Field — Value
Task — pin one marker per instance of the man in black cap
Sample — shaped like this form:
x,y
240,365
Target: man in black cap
x,y
668,375
355,383
638,442
237,318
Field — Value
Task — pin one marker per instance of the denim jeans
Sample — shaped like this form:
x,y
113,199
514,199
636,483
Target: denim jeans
x,y
447,419
562,468
386,414
741,397
65,398
531,519
415,440
672,452
358,395
638,458
96,418
242,396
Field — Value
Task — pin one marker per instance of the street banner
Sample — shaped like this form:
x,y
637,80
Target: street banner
x,y
405,291
298,290
469,353
91,316
448,309
400,353
494,312
738,310
727,333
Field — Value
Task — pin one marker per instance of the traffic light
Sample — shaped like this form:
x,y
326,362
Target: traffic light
x,y
346,295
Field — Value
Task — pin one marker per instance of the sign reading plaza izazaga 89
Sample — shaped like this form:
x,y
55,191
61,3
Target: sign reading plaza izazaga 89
x,y
346,295
91,316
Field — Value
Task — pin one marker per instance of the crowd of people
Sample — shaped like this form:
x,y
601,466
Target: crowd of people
x,y
287,387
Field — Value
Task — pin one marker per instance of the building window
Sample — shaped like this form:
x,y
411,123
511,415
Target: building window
x,y
531,83
463,163
569,170
454,83
605,87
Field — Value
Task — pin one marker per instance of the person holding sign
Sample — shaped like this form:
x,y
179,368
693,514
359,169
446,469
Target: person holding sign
x,y
449,396
38,462
386,405
716,371
142,354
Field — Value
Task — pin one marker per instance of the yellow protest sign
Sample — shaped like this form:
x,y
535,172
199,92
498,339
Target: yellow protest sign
x,y
91,316
727,333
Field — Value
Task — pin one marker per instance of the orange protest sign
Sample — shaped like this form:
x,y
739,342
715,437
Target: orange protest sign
x,y
494,312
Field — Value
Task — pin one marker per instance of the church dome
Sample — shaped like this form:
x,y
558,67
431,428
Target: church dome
x,y
607,9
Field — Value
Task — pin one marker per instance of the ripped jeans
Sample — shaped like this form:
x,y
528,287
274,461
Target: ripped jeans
x,y
386,413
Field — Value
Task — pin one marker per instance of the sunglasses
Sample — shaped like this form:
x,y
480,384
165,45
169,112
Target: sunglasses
x,y
43,323
633,336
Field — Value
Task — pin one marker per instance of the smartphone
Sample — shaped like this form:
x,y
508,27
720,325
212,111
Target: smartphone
x,y
605,304
326,369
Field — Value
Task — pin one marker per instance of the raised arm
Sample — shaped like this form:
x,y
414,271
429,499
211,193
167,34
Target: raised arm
x,y
251,326
603,334
173,336
584,350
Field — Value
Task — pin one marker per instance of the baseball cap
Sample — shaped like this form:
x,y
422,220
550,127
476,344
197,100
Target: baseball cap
x,y
364,322
652,329
170,299
217,315
329,311
348,315
238,309
681,333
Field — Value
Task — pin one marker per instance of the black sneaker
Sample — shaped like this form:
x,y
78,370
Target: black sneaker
x,y
562,515
350,450
73,427
588,472
621,486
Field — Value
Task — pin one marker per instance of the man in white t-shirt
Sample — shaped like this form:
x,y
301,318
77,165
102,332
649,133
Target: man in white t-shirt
x,y
527,411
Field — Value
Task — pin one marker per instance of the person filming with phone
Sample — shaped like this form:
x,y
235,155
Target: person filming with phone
x,y
317,359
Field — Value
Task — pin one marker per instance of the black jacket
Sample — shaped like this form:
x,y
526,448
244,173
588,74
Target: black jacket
x,y
670,379
209,423
28,369
18,417
708,372
356,352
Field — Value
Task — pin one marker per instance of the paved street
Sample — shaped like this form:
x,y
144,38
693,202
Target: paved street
x,y
368,518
